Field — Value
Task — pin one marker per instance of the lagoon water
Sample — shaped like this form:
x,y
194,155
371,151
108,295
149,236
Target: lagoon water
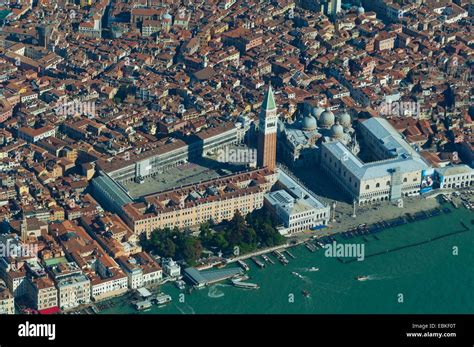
x,y
426,278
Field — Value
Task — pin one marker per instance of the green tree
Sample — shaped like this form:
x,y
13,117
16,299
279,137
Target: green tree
x,y
192,250
169,248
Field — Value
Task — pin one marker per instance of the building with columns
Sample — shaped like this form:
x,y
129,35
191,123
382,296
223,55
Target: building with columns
x,y
397,170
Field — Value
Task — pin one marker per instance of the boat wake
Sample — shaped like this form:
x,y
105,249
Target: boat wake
x,y
186,309
214,291
377,277
331,287
301,277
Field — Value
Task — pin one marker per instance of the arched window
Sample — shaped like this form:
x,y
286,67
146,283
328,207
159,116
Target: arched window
x,y
388,183
405,179
367,187
377,185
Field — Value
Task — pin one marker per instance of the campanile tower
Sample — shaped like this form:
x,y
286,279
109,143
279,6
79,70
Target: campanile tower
x,y
267,132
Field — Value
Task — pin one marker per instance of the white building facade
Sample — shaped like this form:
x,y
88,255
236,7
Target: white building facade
x,y
454,177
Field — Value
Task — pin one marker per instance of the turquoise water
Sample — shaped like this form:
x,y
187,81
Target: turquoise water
x,y
429,276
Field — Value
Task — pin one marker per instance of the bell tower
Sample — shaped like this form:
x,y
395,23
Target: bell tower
x,y
267,132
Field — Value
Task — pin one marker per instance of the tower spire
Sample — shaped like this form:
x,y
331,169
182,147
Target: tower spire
x,y
266,154
269,100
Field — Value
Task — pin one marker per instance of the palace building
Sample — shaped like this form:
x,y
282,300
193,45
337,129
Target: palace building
x,y
398,171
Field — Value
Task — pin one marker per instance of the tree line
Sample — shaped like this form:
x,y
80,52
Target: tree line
x,y
239,235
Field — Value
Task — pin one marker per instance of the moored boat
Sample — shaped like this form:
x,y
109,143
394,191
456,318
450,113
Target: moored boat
x,y
142,305
243,265
258,262
246,285
162,298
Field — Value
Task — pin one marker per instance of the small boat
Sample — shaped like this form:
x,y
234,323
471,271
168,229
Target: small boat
x,y
306,293
267,259
258,262
243,265
313,269
281,257
362,278
311,247
296,274
180,284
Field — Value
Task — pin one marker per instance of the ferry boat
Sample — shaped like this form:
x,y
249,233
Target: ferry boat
x,y
143,305
362,278
162,298
240,278
246,285
258,262
313,269
243,265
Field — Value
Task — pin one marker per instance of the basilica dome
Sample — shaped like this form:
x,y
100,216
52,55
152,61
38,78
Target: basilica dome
x,y
309,123
345,119
327,119
337,131
316,112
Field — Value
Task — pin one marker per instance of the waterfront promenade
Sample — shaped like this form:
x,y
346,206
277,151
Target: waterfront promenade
x,y
259,252
416,268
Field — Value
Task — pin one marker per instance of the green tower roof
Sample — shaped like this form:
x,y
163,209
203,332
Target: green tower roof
x,y
269,100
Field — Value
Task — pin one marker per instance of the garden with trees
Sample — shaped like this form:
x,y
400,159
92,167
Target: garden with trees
x,y
246,234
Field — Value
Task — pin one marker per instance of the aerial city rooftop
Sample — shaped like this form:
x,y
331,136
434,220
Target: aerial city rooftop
x,y
117,118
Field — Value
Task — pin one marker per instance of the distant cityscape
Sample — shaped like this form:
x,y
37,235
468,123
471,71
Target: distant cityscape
x,y
145,142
